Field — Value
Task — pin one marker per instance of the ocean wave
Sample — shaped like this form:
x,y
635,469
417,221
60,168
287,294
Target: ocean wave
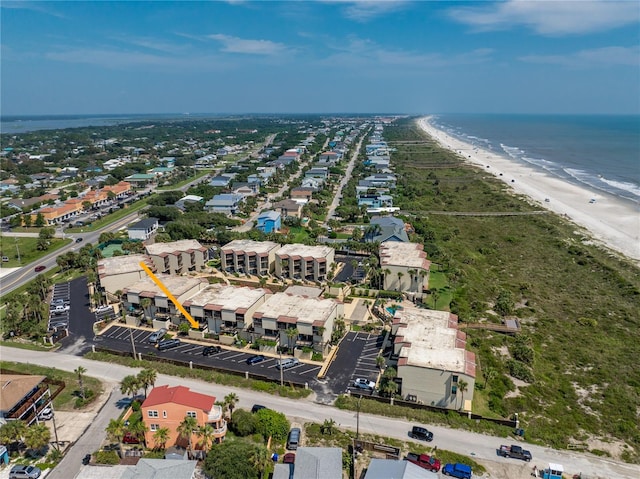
x,y
604,184
512,151
623,185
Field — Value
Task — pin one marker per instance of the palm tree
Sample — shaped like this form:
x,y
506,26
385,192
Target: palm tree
x,y
436,296
147,377
400,275
160,437
186,428
144,304
462,387
261,458
130,385
387,272
207,436
327,426
292,333
13,431
80,371
37,436
412,276
231,399
115,430
380,362
489,375
138,429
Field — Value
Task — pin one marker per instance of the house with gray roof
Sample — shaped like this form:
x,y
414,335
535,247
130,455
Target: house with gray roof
x,y
386,228
312,463
393,469
226,203
222,181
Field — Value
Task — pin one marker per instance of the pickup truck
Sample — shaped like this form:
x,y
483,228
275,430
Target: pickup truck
x,y
424,461
461,471
514,451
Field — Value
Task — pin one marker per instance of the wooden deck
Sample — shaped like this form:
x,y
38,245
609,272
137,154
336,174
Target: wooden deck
x,y
513,327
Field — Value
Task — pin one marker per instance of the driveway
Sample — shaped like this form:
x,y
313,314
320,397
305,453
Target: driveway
x,y
81,319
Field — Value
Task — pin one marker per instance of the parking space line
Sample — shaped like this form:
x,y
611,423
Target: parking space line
x,y
235,356
189,351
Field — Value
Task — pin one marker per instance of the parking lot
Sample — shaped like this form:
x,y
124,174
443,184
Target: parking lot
x,y
356,358
119,338
59,307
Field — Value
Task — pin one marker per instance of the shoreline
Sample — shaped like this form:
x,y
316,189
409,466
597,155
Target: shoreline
x,y
609,219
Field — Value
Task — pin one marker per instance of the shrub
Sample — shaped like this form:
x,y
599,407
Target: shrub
x,y
520,370
243,423
107,457
271,423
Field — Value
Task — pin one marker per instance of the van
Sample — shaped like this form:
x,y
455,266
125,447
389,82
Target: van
x,y
168,344
461,471
287,363
5,259
157,336
293,439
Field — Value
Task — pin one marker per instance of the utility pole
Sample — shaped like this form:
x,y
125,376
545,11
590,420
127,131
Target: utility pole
x,y
133,345
358,419
281,371
16,240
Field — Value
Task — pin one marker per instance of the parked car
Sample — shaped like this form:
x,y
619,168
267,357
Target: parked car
x,y
168,344
45,414
209,350
287,363
102,308
59,301
78,240
421,433
429,463
363,383
258,358
129,438
158,335
289,458
461,471
86,460
257,407
5,259
293,439
514,451
37,270
24,472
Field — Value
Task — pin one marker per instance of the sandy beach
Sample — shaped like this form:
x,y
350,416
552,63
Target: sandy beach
x,y
609,220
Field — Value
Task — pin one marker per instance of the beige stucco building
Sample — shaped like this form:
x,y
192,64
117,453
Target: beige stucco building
x,y
312,317
120,272
299,261
181,287
405,267
226,308
432,359
178,256
248,256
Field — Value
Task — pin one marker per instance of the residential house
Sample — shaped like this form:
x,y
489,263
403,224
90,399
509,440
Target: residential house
x,y
226,309
23,397
289,208
245,189
405,267
380,180
312,318
268,221
392,468
313,463
302,193
386,228
188,199
166,407
298,261
143,229
432,359
375,200
328,158
221,181
248,256
226,203
178,257
141,179
313,183
120,272
206,161
162,308
321,173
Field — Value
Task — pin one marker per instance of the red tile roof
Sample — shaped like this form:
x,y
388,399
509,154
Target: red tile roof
x,y
179,395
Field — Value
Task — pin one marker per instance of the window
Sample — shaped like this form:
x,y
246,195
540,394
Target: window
x,y
164,414
154,427
191,414
454,379
454,390
152,413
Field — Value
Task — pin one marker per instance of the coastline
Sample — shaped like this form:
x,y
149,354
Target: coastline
x,y
610,220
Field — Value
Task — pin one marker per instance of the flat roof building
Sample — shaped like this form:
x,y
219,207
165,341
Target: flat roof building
x,y
405,266
248,256
120,272
299,261
178,256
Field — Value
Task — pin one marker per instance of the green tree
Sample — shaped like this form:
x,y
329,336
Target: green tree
x,y
160,437
231,400
130,385
37,436
328,426
145,304
223,461
187,428
271,423
12,432
116,430
80,372
261,459
40,222
26,219
147,377
504,303
292,336
243,422
462,387
46,233
206,434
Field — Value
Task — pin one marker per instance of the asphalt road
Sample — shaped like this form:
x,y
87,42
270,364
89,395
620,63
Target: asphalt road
x,y
464,442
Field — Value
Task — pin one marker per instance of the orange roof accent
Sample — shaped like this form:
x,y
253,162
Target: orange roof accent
x,y
179,395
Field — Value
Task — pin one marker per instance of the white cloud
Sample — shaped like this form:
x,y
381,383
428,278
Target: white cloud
x,y
365,10
34,7
550,18
597,57
242,45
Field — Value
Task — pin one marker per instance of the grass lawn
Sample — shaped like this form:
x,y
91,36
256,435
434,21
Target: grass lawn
x,y
28,345
65,401
111,218
28,249
300,234
182,183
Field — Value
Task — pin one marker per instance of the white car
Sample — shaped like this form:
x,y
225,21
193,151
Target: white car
x,y
100,309
363,383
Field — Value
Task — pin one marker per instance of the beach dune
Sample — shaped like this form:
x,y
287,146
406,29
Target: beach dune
x,y
611,221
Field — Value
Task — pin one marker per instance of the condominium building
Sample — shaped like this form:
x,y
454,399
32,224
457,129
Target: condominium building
x,y
226,308
309,320
120,272
299,261
178,256
405,267
247,256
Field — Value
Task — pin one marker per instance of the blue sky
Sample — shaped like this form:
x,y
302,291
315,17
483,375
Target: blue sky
x,y
320,57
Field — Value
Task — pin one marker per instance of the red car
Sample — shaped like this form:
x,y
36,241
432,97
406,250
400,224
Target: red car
x,y
129,438
40,268
289,458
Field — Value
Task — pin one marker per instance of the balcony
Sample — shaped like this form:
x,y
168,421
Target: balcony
x,y
215,414
221,431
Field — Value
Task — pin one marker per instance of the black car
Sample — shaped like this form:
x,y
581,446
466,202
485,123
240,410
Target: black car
x,y
78,240
421,433
258,358
257,407
209,350
86,460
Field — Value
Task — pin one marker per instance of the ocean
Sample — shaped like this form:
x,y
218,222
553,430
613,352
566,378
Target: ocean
x,y
599,151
